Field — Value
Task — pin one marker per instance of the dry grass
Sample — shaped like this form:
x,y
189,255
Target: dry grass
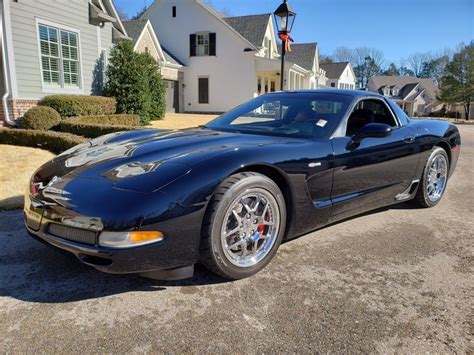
x,y
17,164
181,120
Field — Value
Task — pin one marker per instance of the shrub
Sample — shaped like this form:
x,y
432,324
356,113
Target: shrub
x,y
40,118
76,105
112,120
134,79
91,130
55,142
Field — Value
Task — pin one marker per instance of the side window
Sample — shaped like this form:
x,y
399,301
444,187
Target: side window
x,y
369,111
402,116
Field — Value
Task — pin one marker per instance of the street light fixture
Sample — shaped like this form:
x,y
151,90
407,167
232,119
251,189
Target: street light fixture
x,y
284,18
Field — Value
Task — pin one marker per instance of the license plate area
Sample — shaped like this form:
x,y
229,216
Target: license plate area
x,y
33,213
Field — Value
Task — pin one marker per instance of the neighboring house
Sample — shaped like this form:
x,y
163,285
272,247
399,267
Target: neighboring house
x,y
340,75
53,47
417,96
145,40
228,60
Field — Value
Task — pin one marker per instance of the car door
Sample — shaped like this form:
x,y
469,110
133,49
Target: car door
x,y
371,174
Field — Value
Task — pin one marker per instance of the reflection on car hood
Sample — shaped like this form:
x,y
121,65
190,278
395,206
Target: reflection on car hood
x,y
129,155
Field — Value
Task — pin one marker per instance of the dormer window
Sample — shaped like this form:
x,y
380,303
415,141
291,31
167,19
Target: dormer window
x,y
386,91
395,92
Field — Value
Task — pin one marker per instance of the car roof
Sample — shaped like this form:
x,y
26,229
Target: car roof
x,y
354,93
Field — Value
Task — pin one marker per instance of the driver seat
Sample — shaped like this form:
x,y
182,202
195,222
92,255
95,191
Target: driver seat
x,y
358,119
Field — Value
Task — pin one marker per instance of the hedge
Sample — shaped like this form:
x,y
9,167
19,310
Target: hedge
x,y
92,130
55,142
112,120
76,105
40,118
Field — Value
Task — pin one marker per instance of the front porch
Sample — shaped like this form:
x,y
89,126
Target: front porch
x,y
268,76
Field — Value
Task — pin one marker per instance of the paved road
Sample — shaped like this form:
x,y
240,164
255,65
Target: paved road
x,y
394,280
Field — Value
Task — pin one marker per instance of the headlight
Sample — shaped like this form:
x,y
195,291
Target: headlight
x,y
129,239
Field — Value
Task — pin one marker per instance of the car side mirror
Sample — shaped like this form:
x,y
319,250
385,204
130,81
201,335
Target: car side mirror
x,y
370,130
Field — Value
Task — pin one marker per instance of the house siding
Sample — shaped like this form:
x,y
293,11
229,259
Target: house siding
x,y
73,14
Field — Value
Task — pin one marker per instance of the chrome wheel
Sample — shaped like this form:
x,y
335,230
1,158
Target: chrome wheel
x,y
250,228
437,176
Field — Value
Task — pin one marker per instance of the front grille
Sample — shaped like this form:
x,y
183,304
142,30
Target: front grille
x,y
74,234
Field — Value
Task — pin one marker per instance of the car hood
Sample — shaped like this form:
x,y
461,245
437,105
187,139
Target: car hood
x,y
145,161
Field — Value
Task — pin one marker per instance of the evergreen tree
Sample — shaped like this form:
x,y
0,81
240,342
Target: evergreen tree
x,y
457,84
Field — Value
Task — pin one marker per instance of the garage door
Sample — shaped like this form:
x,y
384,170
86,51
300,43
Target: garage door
x,y
172,97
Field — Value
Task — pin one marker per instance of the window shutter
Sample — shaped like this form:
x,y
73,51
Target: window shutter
x,y
192,45
212,44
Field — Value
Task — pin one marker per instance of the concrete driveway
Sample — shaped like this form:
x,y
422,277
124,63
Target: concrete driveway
x,y
395,280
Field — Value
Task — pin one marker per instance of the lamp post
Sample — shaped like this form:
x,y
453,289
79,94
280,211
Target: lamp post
x,y
284,18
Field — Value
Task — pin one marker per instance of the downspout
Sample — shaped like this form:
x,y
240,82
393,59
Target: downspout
x,y
6,115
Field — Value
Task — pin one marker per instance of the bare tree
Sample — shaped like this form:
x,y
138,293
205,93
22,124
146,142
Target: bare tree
x,y
362,53
415,62
343,54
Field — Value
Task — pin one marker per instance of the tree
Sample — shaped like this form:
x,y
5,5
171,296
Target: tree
x,y
325,59
392,70
404,71
366,70
343,54
415,62
457,84
434,68
134,79
140,13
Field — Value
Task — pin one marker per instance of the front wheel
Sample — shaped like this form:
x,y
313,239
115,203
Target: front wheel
x,y
434,179
244,226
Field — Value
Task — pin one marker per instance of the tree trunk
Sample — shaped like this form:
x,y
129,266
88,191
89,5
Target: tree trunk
x,y
467,110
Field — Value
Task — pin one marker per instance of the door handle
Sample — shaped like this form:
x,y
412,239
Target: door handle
x,y
409,139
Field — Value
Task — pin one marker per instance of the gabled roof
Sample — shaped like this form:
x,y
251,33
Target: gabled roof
x,y
334,70
302,54
252,27
170,58
135,28
407,83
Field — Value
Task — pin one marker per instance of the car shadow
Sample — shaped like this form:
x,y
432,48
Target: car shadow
x,y
33,272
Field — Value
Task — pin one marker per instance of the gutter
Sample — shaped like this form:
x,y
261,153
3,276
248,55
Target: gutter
x,y
6,115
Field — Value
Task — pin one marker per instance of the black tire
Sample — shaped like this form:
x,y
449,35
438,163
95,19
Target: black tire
x,y
212,254
421,198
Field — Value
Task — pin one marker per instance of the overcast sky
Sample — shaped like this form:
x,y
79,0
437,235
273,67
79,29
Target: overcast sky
x,y
396,27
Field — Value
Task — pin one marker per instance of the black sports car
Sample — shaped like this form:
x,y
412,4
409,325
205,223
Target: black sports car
x,y
227,194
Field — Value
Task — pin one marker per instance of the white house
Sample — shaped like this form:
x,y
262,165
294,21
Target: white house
x,y
340,75
227,60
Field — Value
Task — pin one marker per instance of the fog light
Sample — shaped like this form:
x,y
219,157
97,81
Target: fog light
x,y
129,239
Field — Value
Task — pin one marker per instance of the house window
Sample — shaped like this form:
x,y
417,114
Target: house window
x,y
395,92
202,44
174,11
386,91
203,90
333,85
59,56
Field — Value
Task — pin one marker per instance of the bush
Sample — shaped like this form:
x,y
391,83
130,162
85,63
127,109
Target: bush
x,y
134,79
40,118
55,142
112,120
91,130
75,105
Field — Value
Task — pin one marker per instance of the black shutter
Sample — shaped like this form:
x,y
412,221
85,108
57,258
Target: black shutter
x,y
212,44
203,90
192,45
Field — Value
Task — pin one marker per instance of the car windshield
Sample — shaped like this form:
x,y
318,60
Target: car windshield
x,y
305,115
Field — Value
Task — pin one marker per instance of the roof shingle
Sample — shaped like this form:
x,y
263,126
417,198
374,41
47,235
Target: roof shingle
x,y
252,27
302,54
334,70
134,28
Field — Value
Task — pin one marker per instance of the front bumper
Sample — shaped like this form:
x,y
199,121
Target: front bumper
x,y
179,248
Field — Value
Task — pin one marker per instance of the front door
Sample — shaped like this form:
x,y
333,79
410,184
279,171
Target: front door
x,y
372,174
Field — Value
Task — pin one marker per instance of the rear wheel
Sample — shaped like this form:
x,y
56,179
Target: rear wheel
x,y
434,179
244,226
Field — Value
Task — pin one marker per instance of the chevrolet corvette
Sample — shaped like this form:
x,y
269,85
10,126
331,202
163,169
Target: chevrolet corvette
x,y
227,194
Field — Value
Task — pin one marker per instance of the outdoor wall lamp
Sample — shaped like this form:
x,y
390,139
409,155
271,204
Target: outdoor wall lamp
x,y
284,19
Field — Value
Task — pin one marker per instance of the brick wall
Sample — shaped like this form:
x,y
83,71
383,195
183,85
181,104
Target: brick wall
x,y
17,108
